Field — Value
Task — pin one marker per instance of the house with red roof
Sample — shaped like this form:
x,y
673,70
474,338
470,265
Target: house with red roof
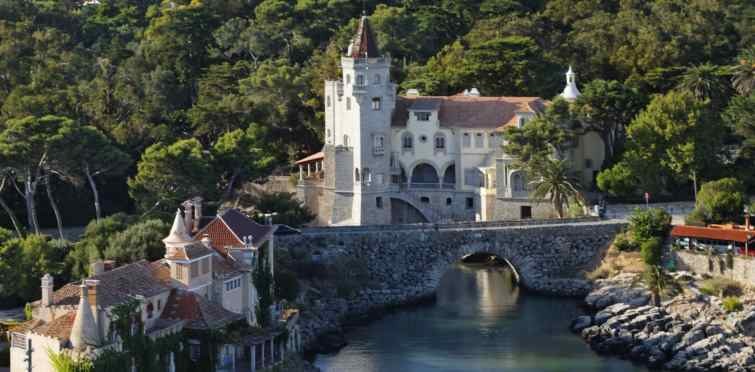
x,y
203,284
391,158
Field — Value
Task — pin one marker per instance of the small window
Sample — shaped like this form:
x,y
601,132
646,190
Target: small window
x,y
424,200
522,121
379,144
422,116
376,104
423,138
376,79
478,140
348,79
440,142
357,178
348,103
360,80
466,140
194,350
588,163
379,202
449,201
470,203
345,140
407,143
327,101
366,175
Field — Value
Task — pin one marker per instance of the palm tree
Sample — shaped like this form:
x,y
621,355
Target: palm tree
x,y
553,181
704,81
743,74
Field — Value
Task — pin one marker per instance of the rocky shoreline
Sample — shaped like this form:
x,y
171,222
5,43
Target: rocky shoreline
x,y
690,332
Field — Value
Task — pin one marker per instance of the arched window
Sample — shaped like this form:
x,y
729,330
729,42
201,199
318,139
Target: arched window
x,y
360,80
376,79
348,103
367,175
440,142
357,178
518,182
407,141
376,104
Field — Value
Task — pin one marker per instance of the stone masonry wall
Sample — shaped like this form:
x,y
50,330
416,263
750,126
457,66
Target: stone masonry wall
x,y
742,268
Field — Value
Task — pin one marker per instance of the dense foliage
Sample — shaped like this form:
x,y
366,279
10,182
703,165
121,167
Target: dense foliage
x,y
719,201
146,85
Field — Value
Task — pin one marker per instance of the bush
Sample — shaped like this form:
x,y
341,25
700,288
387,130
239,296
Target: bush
x,y
625,243
649,223
651,251
732,304
720,201
721,287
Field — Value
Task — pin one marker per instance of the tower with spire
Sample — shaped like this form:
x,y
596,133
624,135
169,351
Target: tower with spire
x,y
570,92
358,110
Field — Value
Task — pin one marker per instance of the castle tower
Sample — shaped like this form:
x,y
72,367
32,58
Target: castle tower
x,y
570,92
358,111
178,238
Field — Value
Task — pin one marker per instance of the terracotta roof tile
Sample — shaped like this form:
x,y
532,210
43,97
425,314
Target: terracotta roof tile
x,y
231,226
116,286
723,234
59,328
198,312
461,111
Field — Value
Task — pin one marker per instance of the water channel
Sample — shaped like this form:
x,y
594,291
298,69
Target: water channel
x,y
480,322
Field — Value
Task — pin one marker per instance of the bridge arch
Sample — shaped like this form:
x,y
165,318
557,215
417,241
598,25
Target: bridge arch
x,y
504,259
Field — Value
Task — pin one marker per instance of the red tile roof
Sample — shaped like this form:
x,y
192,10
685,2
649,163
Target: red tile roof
x,y
230,227
198,312
59,328
469,111
722,234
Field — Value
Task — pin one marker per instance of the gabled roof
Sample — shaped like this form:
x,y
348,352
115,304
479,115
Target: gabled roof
x,y
230,227
363,44
59,328
198,312
115,287
461,111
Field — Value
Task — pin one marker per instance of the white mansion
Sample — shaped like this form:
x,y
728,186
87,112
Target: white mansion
x,y
413,158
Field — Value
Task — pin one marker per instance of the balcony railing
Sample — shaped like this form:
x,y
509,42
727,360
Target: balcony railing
x,y
428,185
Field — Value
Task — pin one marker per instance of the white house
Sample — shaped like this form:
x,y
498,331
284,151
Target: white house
x,y
413,158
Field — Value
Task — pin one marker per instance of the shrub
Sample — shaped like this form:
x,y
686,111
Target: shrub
x,y
651,251
732,304
720,287
649,223
720,201
625,243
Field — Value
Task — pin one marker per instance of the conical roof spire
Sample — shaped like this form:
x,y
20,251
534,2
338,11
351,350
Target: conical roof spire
x,y
84,331
178,234
570,92
363,44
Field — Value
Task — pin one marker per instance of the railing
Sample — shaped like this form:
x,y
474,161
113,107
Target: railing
x,y
448,225
427,186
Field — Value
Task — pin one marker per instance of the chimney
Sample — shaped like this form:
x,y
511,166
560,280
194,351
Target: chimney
x,y
92,286
96,268
188,214
85,331
197,201
48,283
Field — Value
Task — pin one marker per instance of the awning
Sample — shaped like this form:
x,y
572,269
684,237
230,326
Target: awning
x,y
710,233
314,157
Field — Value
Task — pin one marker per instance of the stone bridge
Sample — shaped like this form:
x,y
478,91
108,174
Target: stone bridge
x,y
402,264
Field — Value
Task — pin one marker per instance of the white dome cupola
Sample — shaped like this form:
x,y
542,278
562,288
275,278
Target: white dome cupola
x,y
570,92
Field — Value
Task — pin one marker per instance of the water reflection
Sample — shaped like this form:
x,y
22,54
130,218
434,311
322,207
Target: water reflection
x,y
480,322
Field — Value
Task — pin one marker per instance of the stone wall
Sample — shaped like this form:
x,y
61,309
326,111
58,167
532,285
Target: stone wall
x,y
742,269
506,209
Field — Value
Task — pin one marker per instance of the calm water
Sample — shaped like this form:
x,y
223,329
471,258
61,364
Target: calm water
x,y
480,322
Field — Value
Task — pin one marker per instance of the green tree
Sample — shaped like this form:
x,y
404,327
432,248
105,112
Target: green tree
x,y
651,251
649,224
705,81
607,107
542,137
81,153
95,239
244,155
140,241
171,174
743,73
720,201
552,179
288,210
26,260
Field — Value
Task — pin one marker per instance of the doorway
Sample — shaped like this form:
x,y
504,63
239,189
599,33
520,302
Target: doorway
x,y
525,212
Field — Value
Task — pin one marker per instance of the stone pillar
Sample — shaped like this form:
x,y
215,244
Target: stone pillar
x,y
253,352
262,354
